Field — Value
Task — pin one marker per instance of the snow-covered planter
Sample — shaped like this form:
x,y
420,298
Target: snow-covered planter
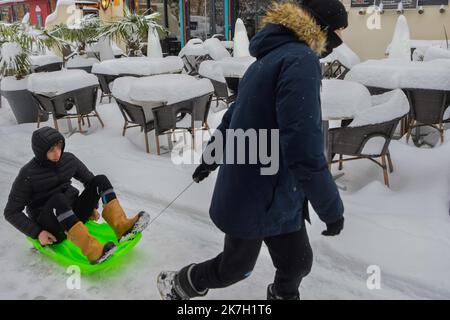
x,y
14,67
21,102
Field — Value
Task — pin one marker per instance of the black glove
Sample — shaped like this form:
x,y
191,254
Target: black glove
x,y
334,228
201,172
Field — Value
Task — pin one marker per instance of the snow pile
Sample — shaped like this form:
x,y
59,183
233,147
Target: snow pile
x,y
59,82
234,67
193,47
343,99
43,60
81,61
210,69
434,53
139,66
344,55
164,88
154,49
399,74
215,49
385,107
400,47
103,47
9,52
241,42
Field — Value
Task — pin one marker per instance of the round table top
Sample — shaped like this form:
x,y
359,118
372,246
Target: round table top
x,y
143,66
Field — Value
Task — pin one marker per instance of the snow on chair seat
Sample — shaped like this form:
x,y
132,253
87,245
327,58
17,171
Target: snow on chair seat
x,y
368,136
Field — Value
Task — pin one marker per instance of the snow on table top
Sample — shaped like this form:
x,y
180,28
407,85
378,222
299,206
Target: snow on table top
x,y
43,60
153,90
139,66
385,107
344,55
342,99
399,74
433,53
12,84
227,44
210,69
59,82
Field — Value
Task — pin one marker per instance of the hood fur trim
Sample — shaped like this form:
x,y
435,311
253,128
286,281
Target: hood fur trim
x,y
298,20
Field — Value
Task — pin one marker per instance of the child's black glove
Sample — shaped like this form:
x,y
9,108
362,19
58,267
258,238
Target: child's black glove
x,y
334,228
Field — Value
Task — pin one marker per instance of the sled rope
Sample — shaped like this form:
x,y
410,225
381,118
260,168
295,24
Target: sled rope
x,y
176,198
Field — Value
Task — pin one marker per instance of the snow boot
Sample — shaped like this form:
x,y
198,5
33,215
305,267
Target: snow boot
x,y
124,227
177,285
271,295
90,247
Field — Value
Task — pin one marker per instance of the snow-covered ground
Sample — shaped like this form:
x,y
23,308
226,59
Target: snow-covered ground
x,y
405,230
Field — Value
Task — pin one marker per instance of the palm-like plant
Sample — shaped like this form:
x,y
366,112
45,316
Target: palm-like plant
x,y
81,33
132,29
14,60
17,41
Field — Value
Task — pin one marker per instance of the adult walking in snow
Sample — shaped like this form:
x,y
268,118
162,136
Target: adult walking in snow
x,y
56,210
281,90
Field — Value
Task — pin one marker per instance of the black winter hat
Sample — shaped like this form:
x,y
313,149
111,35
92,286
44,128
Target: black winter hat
x,y
43,139
330,15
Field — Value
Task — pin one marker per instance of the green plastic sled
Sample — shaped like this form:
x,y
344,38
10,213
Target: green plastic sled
x,y
67,254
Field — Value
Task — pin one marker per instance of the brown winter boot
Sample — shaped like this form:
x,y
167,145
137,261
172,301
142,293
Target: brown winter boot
x,y
90,247
124,227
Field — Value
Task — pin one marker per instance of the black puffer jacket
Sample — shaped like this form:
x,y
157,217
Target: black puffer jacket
x,y
40,178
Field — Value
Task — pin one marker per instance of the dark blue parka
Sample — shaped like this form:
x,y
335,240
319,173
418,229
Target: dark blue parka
x,y
281,90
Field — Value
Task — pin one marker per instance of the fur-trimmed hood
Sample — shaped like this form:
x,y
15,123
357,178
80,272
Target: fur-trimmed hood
x,y
300,22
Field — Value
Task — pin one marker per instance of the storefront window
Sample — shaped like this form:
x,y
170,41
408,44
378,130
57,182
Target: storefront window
x,y
252,12
199,23
6,14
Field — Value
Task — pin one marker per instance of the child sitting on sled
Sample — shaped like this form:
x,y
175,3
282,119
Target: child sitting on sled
x,y
55,209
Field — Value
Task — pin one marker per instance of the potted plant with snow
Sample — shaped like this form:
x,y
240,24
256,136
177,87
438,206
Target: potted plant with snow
x,y
132,29
14,68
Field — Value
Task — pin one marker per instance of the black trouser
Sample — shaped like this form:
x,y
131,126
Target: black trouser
x,y
291,255
58,215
